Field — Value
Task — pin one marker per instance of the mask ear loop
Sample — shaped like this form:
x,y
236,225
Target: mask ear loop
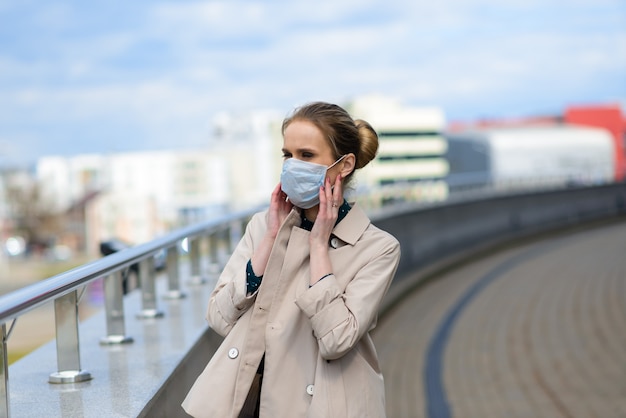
x,y
332,187
335,163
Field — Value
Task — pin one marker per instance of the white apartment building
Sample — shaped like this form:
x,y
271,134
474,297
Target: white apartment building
x,y
253,142
137,196
411,163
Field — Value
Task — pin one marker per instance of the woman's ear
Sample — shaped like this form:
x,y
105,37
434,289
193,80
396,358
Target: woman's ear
x,y
347,165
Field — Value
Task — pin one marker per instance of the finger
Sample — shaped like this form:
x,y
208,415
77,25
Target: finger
x,y
274,197
329,192
337,191
277,190
323,198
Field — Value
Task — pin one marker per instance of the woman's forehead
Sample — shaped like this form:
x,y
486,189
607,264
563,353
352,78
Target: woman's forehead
x,y
304,134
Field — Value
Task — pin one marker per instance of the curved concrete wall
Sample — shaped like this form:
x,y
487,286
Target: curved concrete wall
x,y
433,238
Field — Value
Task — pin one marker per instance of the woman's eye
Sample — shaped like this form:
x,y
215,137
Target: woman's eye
x,y
307,155
286,155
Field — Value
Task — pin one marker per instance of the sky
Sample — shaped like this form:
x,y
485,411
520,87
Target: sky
x,y
114,76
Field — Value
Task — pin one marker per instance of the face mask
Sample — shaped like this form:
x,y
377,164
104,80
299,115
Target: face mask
x,y
301,181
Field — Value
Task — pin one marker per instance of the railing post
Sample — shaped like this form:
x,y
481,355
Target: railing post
x,y
173,281
228,239
214,255
4,379
234,236
148,290
194,255
114,306
68,342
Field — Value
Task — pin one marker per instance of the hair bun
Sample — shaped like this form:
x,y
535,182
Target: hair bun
x,y
368,143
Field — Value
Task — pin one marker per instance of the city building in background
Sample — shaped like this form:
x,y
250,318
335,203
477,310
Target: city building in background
x,y
410,164
71,204
137,196
585,145
610,118
522,157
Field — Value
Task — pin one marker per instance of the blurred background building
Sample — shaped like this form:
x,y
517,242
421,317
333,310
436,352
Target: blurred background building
x,y
137,196
411,162
68,205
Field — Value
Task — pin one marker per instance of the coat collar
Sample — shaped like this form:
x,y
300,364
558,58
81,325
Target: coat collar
x,y
350,229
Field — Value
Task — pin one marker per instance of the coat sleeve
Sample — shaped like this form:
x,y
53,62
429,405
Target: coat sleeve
x,y
339,319
229,299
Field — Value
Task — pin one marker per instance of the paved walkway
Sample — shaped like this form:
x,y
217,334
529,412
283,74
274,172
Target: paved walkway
x,y
538,330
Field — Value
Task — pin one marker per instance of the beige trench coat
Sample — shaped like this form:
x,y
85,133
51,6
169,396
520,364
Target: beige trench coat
x,y
319,358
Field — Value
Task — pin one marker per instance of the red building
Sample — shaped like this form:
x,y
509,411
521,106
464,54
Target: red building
x,y
608,117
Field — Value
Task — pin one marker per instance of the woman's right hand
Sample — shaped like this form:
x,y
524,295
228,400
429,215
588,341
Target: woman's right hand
x,y
279,209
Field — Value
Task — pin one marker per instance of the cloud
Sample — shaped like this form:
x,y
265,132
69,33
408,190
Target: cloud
x,y
146,72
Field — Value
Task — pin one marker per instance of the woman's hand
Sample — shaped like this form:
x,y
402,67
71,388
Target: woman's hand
x,y
279,209
330,201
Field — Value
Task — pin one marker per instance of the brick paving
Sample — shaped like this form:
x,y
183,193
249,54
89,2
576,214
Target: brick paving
x,y
544,336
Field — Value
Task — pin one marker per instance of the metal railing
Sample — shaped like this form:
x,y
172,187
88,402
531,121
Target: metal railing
x,y
66,290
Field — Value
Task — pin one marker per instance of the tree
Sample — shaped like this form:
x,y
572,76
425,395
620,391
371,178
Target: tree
x,y
32,217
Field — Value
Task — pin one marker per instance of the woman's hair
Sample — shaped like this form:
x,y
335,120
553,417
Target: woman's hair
x,y
344,134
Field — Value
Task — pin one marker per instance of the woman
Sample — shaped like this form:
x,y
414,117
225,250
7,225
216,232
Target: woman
x,y
299,295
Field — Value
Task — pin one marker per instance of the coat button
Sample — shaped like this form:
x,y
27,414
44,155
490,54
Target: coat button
x,y
309,389
334,242
233,353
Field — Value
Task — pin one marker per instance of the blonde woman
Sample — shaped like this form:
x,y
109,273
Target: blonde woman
x,y
299,295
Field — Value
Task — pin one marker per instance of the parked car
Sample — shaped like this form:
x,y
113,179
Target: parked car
x,y
130,276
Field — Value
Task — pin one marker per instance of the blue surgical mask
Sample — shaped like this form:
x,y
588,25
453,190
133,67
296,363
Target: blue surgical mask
x,y
301,181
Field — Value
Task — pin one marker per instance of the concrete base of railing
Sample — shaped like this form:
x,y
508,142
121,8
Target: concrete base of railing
x,y
166,402
148,377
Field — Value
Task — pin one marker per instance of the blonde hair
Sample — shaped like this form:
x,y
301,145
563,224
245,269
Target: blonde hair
x,y
344,134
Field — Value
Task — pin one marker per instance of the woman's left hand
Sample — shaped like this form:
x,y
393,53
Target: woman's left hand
x,y
330,201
